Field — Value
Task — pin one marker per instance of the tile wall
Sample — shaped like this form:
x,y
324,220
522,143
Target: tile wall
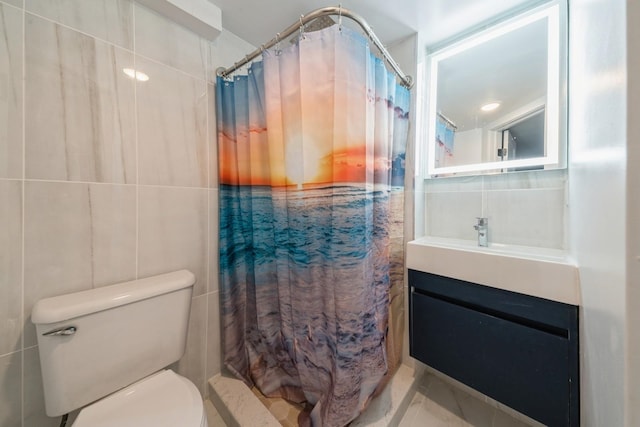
x,y
524,208
103,178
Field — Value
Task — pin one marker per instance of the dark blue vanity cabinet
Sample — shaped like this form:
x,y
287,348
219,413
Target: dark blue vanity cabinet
x,y
517,349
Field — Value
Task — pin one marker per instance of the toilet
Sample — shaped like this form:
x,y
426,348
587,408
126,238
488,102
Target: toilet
x,y
106,350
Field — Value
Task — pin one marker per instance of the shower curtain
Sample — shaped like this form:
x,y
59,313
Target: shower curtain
x,y
311,148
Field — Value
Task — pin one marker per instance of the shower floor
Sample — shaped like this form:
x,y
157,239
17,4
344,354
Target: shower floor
x,y
430,401
240,406
284,411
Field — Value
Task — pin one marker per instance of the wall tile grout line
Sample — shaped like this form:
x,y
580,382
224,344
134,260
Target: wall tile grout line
x,y
208,240
135,124
11,353
203,78
483,209
205,75
495,190
178,70
20,8
23,205
61,181
77,30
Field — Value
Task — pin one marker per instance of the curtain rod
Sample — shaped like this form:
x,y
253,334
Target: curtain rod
x,y
406,80
448,120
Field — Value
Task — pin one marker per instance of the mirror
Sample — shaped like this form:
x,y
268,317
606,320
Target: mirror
x,y
495,103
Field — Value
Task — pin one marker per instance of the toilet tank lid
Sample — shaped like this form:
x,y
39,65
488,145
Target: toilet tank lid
x,y
70,306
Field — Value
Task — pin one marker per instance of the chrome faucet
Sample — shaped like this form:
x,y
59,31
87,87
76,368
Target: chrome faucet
x,y
483,230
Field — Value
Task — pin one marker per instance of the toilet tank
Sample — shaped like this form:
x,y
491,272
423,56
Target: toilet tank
x,y
95,342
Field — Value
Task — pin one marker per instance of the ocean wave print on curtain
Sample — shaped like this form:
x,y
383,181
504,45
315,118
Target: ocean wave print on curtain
x,y
311,148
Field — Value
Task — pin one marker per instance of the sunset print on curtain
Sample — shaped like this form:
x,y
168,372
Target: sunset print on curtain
x,y
311,147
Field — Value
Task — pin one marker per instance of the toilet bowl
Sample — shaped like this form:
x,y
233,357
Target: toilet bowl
x,y
164,399
106,351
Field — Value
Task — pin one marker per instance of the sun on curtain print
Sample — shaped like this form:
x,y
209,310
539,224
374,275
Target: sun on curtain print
x,y
311,164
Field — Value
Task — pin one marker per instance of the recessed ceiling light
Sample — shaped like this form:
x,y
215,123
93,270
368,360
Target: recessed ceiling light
x,y
139,75
490,106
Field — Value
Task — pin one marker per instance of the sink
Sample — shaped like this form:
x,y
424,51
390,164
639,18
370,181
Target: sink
x,y
541,272
529,252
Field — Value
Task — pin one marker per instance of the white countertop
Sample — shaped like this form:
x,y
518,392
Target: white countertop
x,y
539,272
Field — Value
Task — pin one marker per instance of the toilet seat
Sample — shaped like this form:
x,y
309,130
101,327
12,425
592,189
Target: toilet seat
x,y
164,399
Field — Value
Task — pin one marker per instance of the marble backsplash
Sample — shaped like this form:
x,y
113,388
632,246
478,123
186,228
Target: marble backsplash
x,y
524,208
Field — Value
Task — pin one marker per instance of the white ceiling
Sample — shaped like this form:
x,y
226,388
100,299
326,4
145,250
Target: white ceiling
x,y
510,69
257,21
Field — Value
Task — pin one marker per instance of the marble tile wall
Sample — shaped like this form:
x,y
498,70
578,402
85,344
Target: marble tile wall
x,y
524,208
80,120
103,178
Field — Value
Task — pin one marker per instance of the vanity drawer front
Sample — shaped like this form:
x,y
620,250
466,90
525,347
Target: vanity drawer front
x,y
552,314
521,366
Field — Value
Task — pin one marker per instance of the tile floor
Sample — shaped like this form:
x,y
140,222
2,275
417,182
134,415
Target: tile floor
x,y
213,417
436,403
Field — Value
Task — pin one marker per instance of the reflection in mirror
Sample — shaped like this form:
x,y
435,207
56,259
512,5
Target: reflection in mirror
x,y
494,99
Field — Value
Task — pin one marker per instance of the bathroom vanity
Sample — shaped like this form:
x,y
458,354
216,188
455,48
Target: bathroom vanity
x,y
503,321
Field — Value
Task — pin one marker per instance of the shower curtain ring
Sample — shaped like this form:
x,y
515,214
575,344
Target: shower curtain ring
x,y
278,51
301,27
340,17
